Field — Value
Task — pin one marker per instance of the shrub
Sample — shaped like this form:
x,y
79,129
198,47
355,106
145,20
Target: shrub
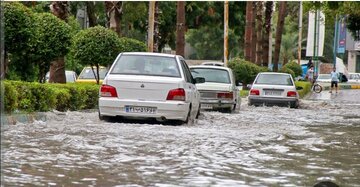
x,y
245,71
10,95
131,45
287,70
295,67
306,88
31,97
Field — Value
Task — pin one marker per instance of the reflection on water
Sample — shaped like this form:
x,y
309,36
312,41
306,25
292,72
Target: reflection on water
x,y
260,146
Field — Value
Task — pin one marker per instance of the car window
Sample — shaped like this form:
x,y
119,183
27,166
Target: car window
x,y
274,79
212,75
188,76
146,65
354,76
87,73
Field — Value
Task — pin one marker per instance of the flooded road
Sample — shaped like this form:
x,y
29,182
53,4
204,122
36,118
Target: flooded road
x,y
260,146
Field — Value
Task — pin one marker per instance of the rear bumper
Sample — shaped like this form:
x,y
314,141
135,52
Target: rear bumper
x,y
171,110
216,103
255,100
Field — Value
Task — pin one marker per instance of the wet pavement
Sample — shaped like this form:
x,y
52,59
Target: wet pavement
x,y
260,146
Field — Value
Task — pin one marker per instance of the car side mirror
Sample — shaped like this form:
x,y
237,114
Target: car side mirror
x,y
199,80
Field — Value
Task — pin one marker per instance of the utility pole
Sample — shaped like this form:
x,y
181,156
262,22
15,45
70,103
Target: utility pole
x,y
316,41
300,32
150,39
180,28
335,39
226,28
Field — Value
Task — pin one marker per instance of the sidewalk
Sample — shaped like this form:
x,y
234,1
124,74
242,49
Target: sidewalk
x,y
342,86
12,119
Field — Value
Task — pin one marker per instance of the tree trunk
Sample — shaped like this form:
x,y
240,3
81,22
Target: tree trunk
x,y
57,67
113,14
266,35
180,28
279,31
249,15
4,66
90,10
259,49
156,28
253,33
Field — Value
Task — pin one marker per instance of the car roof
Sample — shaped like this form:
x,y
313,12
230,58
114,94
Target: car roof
x,y
149,54
210,67
274,73
214,63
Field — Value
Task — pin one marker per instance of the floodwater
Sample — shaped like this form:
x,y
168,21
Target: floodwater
x,y
260,146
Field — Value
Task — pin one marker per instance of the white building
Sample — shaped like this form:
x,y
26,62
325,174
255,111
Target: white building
x,y
353,48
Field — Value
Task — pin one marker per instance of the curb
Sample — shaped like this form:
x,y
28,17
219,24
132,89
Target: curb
x,y
12,119
344,87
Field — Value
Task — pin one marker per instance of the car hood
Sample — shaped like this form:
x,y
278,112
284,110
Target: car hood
x,y
214,86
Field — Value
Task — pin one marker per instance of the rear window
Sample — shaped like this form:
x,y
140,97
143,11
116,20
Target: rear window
x,y
274,79
212,75
87,73
146,65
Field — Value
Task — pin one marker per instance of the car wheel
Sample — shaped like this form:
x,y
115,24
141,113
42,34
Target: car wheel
x,y
189,119
198,112
104,118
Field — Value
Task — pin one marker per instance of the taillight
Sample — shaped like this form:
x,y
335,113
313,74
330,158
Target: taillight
x,y
225,95
254,92
108,91
176,94
291,94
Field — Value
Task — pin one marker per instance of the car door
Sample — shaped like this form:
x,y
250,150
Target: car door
x,y
190,88
235,89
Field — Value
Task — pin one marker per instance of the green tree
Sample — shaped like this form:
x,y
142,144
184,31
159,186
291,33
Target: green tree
x,y
18,21
52,40
96,46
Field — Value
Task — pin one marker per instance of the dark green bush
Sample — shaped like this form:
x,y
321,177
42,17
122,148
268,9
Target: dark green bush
x,y
295,67
131,45
11,95
245,71
35,97
287,70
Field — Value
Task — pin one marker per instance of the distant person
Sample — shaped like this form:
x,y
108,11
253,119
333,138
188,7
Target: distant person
x,y
310,64
334,80
310,74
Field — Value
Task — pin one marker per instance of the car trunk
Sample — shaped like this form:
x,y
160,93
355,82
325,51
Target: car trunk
x,y
152,88
273,91
210,90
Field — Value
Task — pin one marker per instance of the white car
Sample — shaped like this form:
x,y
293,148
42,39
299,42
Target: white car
x,y
150,85
213,63
354,78
323,78
69,75
271,88
219,92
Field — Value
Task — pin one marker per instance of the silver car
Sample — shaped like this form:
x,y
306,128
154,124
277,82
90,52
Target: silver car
x,y
274,89
219,92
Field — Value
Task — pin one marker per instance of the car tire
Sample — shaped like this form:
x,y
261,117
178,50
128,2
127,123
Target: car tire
x,y
189,120
198,112
104,118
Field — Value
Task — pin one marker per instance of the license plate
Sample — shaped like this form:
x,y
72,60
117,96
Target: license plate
x,y
140,109
206,106
276,93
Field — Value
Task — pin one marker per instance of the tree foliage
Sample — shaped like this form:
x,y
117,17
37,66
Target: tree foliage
x,y
295,67
18,27
131,45
52,40
245,71
95,46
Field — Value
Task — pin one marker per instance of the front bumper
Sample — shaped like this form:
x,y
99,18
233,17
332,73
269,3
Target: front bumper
x,y
170,110
269,101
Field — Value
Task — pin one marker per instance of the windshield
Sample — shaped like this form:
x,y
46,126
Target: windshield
x,y
212,75
274,79
87,73
70,76
324,76
146,65
354,76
